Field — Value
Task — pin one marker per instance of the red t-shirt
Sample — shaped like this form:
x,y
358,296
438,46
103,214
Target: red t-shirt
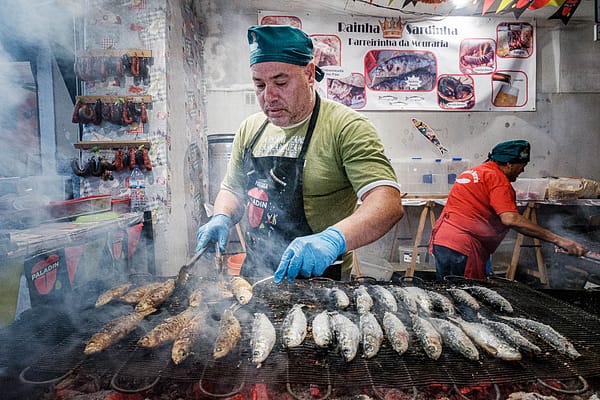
x,y
470,222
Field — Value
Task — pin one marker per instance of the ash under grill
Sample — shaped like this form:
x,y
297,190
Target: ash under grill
x,y
48,351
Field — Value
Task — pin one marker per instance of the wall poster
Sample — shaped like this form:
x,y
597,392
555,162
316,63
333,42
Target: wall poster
x,y
438,64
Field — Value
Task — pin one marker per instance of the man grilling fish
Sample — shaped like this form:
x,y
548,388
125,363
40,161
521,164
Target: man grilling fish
x,y
298,168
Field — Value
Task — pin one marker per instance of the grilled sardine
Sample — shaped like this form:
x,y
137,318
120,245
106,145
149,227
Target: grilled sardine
x,y
112,294
136,294
115,330
455,338
157,296
293,327
547,334
395,332
195,298
363,300
428,336
242,289
441,302
371,334
347,335
384,298
339,298
167,330
491,297
322,331
230,332
182,346
263,338
463,297
409,302
488,340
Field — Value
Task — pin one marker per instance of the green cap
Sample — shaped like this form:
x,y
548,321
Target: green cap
x,y
511,151
281,43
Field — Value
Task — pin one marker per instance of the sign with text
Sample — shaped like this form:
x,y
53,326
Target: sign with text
x,y
441,64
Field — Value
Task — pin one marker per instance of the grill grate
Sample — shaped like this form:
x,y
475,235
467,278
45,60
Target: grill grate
x,y
134,368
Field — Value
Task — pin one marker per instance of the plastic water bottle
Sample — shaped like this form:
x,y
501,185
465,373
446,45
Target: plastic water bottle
x,y
137,185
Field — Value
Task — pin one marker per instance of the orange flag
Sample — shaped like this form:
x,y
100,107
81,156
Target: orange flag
x,y
486,5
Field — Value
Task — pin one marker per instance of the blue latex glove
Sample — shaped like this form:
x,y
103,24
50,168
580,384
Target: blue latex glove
x,y
215,230
310,255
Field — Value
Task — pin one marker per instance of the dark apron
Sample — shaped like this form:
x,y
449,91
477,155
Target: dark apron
x,y
275,206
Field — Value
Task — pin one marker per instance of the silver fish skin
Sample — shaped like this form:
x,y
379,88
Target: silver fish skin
x,y
395,332
428,336
463,297
405,299
346,334
421,297
263,338
384,297
488,340
511,335
455,338
547,334
491,297
441,302
293,327
322,330
363,300
339,298
371,334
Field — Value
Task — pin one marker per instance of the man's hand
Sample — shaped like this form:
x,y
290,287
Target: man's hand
x,y
215,230
310,255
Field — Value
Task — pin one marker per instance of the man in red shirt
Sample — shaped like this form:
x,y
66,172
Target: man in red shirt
x,y
480,209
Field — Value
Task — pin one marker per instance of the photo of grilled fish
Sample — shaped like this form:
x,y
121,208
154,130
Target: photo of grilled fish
x,y
322,330
230,332
136,294
167,330
384,298
405,299
511,335
371,334
362,300
157,296
347,335
112,294
263,338
183,344
455,338
463,297
242,289
195,298
488,340
430,339
396,332
115,330
339,298
547,334
441,302
491,297
294,327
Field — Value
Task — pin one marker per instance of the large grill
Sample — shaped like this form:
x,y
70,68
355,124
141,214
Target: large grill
x,y
45,348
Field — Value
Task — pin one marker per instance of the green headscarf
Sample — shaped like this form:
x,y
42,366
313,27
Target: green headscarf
x,y
511,151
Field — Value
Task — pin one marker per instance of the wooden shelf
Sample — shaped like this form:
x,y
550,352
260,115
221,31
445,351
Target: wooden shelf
x,y
111,144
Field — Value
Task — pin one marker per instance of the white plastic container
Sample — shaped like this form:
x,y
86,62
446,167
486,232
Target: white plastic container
x,y
454,167
421,176
530,188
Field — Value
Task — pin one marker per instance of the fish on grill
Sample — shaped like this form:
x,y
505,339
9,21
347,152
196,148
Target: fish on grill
x,y
491,297
294,327
441,302
195,298
396,332
511,335
167,330
112,294
339,298
347,335
263,338
488,340
384,298
547,334
115,330
188,336
421,297
405,299
242,289
136,294
157,296
230,332
455,338
322,330
428,336
371,334
362,300
463,297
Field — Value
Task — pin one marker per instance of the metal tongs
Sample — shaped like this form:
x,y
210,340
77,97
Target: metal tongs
x,y
589,255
